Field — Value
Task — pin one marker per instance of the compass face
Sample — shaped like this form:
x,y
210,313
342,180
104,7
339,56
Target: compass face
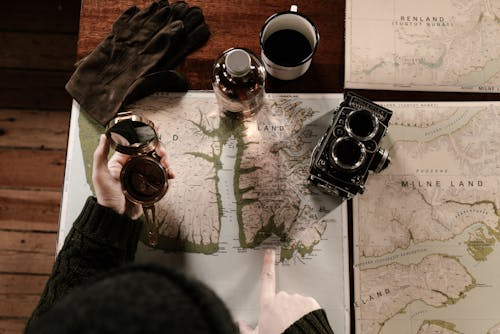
x,y
144,180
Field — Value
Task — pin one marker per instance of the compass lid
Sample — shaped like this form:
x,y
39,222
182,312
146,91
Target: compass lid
x,y
132,134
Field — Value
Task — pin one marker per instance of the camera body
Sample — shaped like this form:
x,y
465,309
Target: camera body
x,y
349,150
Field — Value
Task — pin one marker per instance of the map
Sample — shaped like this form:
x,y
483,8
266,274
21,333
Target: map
x,y
239,187
427,230
447,45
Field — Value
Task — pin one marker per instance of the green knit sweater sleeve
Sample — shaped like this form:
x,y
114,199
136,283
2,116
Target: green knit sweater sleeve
x,y
313,322
99,240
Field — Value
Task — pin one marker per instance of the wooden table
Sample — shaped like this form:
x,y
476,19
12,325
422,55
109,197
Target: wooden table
x,y
238,23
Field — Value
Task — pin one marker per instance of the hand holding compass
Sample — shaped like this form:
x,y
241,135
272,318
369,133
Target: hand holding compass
x,y
137,174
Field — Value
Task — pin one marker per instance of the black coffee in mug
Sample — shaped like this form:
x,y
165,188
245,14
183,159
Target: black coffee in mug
x,y
287,47
288,41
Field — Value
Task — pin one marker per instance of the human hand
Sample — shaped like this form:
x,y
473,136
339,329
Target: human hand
x,y
106,178
278,311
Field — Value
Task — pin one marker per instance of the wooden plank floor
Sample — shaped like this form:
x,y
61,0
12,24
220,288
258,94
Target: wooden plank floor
x,y
38,52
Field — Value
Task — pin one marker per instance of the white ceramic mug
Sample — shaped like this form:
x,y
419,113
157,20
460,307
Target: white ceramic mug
x,y
288,20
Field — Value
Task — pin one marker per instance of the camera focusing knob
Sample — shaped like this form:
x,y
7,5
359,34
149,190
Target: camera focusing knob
x,y
339,131
384,161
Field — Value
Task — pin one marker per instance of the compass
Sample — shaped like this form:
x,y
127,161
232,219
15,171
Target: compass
x,y
143,178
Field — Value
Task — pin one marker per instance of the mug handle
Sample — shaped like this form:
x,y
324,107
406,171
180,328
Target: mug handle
x,y
293,8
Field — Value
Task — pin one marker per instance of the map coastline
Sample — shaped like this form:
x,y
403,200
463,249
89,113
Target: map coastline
x,y
397,45
438,199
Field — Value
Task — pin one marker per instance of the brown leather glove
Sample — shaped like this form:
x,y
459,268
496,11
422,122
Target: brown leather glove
x,y
136,55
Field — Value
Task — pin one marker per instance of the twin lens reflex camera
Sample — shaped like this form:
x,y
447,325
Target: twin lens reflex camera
x,y
349,150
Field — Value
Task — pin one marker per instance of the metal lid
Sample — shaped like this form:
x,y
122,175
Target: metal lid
x,y
132,134
238,62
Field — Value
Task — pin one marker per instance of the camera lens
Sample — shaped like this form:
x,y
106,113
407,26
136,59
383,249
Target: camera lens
x,y
362,124
348,153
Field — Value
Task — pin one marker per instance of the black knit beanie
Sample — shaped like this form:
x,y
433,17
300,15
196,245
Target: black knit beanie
x,y
138,299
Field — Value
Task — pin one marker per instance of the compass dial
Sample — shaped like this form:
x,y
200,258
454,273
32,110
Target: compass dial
x,y
144,180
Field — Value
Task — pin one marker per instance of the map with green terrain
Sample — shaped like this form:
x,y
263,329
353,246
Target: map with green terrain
x,y
427,230
249,174
239,187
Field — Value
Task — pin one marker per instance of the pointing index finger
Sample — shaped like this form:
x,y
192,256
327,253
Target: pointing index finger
x,y
268,278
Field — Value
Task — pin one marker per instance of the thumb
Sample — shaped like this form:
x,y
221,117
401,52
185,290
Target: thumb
x,y
100,162
245,328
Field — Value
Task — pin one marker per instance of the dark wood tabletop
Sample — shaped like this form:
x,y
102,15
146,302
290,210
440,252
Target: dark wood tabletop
x,y
237,23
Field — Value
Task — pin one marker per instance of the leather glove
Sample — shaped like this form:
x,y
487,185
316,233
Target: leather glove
x,y
142,42
161,81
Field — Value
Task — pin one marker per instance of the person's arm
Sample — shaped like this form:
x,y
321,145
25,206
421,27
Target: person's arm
x,y
282,312
103,237
99,240
313,322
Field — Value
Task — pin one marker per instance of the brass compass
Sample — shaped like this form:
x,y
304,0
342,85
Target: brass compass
x,y
144,180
